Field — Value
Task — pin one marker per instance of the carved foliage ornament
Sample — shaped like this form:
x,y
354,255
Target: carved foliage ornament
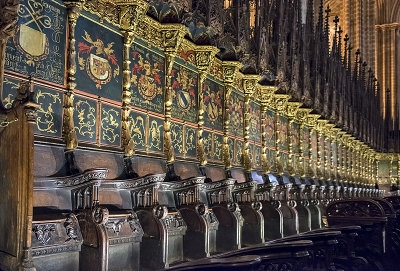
x,y
8,18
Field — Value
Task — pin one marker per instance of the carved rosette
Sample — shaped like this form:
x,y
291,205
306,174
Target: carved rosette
x,y
204,60
172,35
249,87
74,9
230,71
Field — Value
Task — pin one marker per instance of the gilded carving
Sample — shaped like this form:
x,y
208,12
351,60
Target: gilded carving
x,y
45,122
70,137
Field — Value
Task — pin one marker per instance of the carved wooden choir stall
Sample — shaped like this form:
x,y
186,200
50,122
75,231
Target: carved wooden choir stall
x,y
189,135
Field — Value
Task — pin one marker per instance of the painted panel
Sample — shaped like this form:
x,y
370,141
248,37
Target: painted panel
x,y
271,156
177,138
156,130
238,152
334,153
49,112
257,156
283,133
255,122
85,119
190,141
99,58
384,168
184,93
147,79
38,47
270,128
218,143
110,125
305,141
236,106
314,145
208,144
138,129
294,137
321,148
10,88
231,143
251,153
213,104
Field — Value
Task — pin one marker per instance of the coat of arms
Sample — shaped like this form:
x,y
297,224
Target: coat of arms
x,y
212,102
236,110
270,126
30,39
254,120
146,76
94,57
183,89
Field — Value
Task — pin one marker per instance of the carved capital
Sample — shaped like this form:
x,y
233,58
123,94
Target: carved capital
x,y
281,102
172,35
131,11
249,83
230,70
292,108
205,57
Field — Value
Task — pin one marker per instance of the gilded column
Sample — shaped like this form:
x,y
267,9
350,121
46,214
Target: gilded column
x,y
130,13
230,70
204,58
281,101
71,142
249,84
172,35
292,113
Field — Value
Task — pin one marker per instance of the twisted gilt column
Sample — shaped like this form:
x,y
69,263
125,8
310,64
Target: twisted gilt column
x,y
230,70
204,58
249,84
